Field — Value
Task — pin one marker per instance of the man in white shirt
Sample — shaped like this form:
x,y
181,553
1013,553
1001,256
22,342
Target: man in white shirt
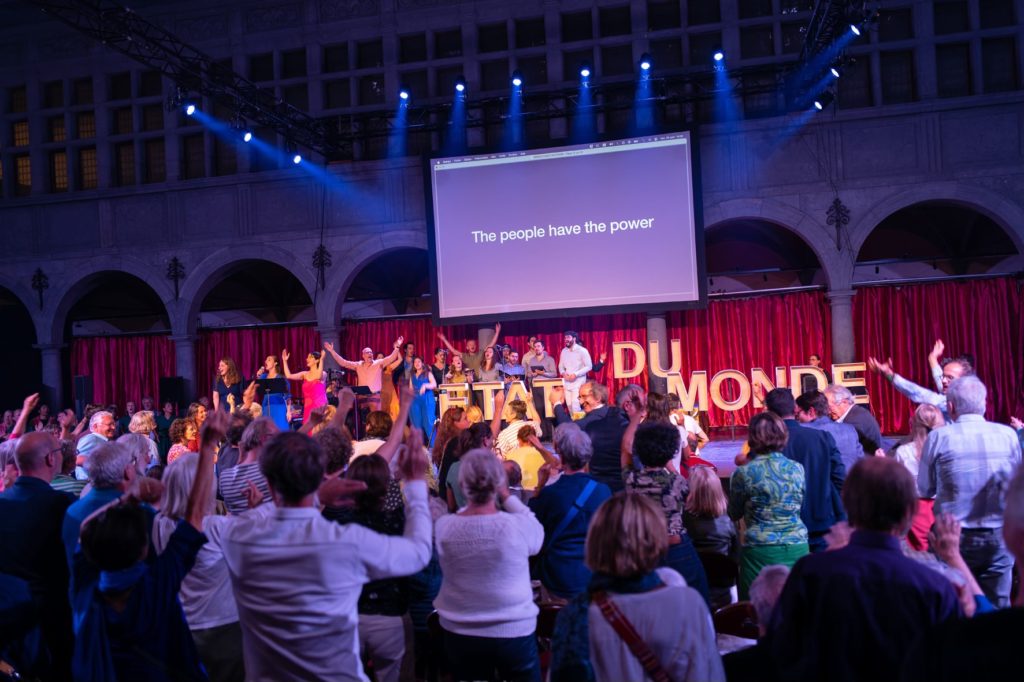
x,y
573,364
297,576
369,371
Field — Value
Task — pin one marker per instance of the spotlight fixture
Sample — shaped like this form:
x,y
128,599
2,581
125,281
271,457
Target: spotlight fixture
x,y
836,71
403,94
585,70
823,100
718,55
855,29
247,136
517,78
190,108
645,62
297,159
460,84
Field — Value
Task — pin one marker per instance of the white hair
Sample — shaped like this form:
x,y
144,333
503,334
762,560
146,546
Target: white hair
x,y
97,417
573,445
841,394
480,475
178,479
106,464
138,445
765,591
967,394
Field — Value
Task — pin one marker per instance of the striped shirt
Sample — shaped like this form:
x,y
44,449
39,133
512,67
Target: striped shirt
x,y
68,484
235,481
966,466
508,439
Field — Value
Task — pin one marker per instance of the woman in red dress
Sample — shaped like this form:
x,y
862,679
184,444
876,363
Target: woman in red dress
x,y
314,392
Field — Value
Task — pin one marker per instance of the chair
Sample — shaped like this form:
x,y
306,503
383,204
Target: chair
x,y
739,620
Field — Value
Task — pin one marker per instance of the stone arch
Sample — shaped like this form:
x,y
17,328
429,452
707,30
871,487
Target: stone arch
x,y
1007,214
27,298
356,258
836,266
93,269
208,272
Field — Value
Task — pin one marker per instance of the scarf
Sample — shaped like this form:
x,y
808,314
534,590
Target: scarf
x,y
570,644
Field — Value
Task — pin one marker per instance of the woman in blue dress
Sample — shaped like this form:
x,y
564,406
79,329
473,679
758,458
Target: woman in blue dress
x,y
422,413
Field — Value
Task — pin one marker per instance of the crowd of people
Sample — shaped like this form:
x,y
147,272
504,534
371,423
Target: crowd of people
x,y
220,546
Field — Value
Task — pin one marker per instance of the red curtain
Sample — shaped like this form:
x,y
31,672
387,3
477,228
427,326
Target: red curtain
x,y
123,368
979,317
249,347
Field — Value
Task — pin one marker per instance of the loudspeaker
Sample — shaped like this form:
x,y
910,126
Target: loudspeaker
x,y
83,394
172,390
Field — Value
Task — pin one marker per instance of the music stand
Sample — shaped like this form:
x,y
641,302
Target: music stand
x,y
361,393
276,385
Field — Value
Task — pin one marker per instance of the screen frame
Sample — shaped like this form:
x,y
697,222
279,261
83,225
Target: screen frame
x,y
700,303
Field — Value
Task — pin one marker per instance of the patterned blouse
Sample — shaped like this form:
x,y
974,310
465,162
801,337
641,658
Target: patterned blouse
x,y
665,489
767,492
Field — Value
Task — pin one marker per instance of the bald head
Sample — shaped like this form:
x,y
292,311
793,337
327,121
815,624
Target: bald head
x,y
38,455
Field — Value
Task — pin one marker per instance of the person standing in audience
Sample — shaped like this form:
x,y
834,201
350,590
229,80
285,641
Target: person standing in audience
x,y
31,548
573,365
852,613
205,595
129,412
523,414
926,419
654,445
530,455
824,472
628,591
472,356
163,428
812,412
565,509
486,601
235,481
843,409
296,572
767,493
705,517
966,466
65,481
605,424
182,433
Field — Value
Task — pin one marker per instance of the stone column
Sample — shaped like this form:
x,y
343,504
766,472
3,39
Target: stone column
x,y
331,335
657,331
185,358
843,347
50,354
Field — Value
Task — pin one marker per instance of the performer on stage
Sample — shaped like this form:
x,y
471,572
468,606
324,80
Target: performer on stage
x,y
490,369
440,365
471,357
573,364
314,392
457,373
228,382
369,371
422,413
271,368
538,364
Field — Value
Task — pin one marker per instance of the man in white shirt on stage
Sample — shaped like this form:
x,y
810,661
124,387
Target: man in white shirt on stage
x,y
573,364
369,372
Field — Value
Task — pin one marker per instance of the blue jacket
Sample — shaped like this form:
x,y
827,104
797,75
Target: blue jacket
x,y
824,475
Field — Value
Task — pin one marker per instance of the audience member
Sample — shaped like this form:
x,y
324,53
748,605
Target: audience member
x,y
31,549
182,434
298,572
943,373
528,456
709,526
812,412
851,613
144,424
817,453
102,429
65,481
754,662
376,431
654,445
206,597
234,482
966,467
475,437
674,636
926,419
229,454
522,413
843,409
486,601
565,509
604,424
767,493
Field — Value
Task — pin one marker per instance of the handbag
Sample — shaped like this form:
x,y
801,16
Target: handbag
x,y
631,637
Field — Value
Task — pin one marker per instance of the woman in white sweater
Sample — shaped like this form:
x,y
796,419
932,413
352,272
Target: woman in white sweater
x,y
486,600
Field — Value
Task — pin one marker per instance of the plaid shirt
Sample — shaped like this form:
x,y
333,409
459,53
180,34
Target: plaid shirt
x,y
966,466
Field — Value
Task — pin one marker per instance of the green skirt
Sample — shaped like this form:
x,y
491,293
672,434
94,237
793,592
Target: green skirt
x,y
755,557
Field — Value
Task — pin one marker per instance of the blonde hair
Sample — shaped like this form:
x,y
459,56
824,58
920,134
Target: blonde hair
x,y
926,419
706,497
627,536
142,422
474,414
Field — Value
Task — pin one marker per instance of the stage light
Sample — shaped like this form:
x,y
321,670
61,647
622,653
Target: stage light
x,y
190,108
645,62
460,84
517,78
836,71
855,29
297,159
585,71
247,136
823,100
718,56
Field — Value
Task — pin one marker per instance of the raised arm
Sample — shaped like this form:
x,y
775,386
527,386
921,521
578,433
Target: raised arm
x,y
342,362
531,408
499,404
395,352
450,347
26,409
394,441
214,429
636,414
346,400
549,457
494,338
284,364
933,362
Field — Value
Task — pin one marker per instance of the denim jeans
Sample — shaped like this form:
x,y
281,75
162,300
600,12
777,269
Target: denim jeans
x,y
489,658
683,558
985,553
